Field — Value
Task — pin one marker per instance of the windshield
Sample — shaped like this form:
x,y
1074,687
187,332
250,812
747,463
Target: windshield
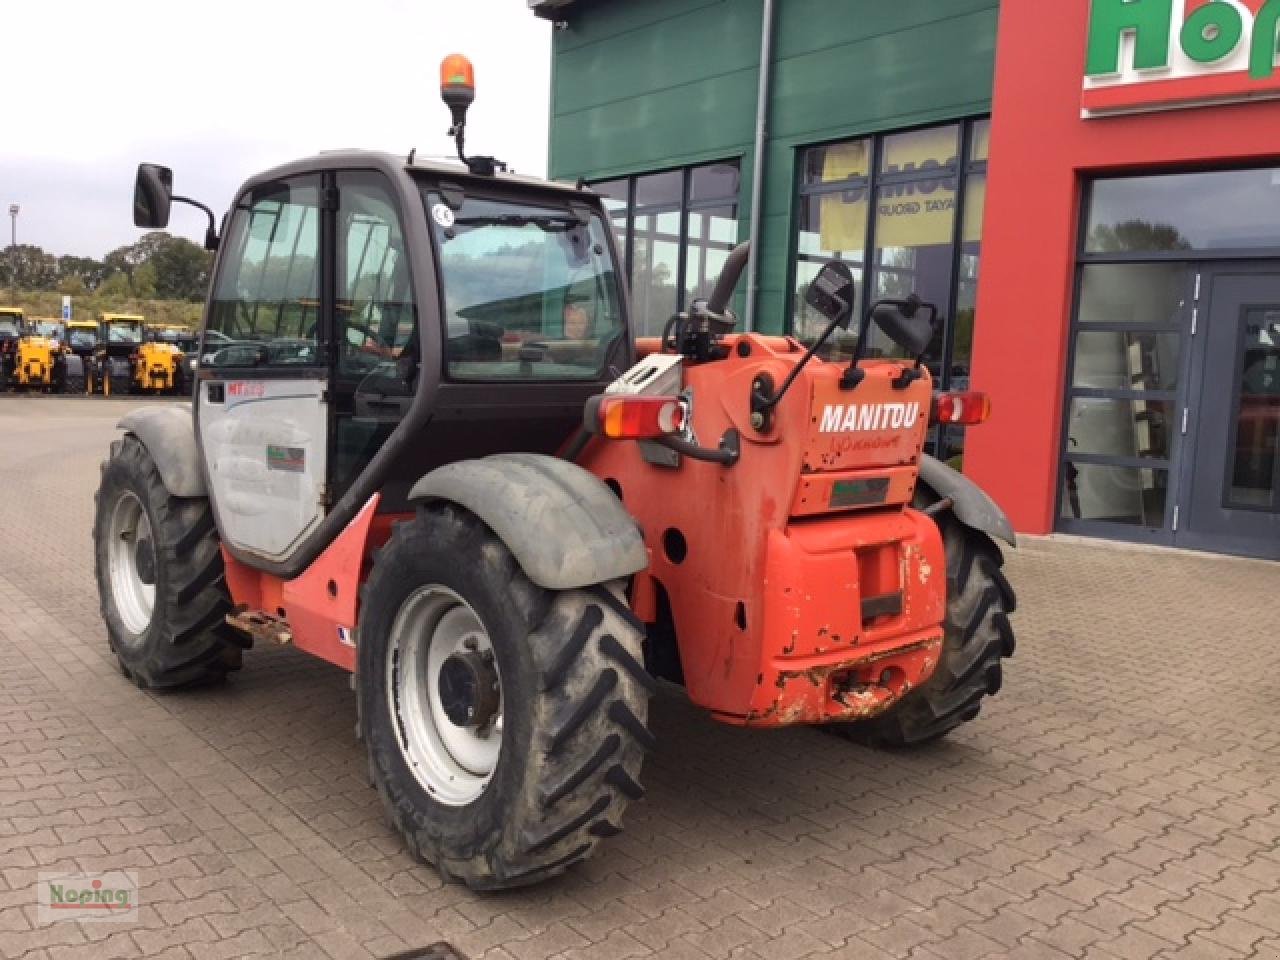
x,y
53,330
124,331
81,339
530,292
9,324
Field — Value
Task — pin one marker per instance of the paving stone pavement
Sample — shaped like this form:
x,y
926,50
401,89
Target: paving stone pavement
x,y
1120,798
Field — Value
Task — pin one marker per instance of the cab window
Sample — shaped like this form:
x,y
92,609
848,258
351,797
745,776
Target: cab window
x,y
376,324
266,305
530,291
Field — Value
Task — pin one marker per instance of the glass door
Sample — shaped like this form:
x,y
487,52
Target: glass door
x,y
1233,499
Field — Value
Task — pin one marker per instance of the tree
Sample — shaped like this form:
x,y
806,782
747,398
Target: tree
x,y
1135,235
116,286
182,269
29,267
143,282
88,271
72,286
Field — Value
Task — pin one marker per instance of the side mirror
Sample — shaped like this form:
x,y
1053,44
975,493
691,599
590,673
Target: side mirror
x,y
832,293
152,196
906,324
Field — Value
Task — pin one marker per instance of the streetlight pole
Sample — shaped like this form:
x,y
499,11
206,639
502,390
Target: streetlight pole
x,y
14,210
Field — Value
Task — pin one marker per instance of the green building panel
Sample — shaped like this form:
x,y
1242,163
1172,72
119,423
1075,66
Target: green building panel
x,y
645,85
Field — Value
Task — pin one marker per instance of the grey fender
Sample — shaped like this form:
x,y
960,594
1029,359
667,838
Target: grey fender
x,y
565,528
170,438
970,503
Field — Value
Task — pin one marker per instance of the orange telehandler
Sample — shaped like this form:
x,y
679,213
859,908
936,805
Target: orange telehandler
x,y
411,453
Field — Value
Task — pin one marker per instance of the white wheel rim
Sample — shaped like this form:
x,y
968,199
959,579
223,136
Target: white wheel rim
x,y
128,534
453,763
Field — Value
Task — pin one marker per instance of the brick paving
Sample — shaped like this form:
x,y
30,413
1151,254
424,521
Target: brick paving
x,y
1119,799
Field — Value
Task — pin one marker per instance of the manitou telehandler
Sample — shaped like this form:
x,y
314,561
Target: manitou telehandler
x,y
411,454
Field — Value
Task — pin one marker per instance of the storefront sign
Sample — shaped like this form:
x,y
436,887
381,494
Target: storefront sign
x,y
1148,55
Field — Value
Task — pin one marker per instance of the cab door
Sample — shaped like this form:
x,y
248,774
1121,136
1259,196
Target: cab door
x,y
262,400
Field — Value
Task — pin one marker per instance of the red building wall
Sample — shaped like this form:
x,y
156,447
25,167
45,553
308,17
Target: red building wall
x,y
1041,151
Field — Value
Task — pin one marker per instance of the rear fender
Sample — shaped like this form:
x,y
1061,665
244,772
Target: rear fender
x,y
970,503
170,439
565,528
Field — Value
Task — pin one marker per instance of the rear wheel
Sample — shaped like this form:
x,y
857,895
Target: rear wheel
x,y
505,723
160,576
977,636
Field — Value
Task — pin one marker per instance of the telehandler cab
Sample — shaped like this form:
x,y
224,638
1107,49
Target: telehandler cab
x,y
412,453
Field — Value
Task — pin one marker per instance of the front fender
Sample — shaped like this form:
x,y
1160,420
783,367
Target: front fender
x,y
970,503
565,528
170,438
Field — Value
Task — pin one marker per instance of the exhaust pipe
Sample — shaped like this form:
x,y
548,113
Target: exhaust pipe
x,y
729,277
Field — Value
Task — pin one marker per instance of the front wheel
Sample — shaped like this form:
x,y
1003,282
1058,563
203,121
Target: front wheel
x,y
977,636
160,576
505,723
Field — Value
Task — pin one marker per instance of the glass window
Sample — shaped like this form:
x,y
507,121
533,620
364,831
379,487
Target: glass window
x,y
375,314
1122,399
124,329
616,195
713,183
1114,494
660,190
1255,463
266,303
1146,294
710,234
681,225
1126,360
530,292
1222,210
1119,428
655,270
911,230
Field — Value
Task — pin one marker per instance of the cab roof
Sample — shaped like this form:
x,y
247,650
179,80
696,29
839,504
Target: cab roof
x,y
392,164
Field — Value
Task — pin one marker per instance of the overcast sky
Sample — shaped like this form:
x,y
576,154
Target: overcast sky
x,y
221,90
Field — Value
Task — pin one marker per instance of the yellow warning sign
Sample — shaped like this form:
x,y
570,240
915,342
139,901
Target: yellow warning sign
x,y
915,212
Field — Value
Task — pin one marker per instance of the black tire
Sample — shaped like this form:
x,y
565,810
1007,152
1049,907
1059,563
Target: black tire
x,y
74,385
187,639
976,638
574,703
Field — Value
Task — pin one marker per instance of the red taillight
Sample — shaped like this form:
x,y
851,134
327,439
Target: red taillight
x,y
634,418
968,408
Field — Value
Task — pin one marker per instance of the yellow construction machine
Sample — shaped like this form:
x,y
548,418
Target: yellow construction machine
x,y
119,339
81,345
12,323
39,359
158,363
